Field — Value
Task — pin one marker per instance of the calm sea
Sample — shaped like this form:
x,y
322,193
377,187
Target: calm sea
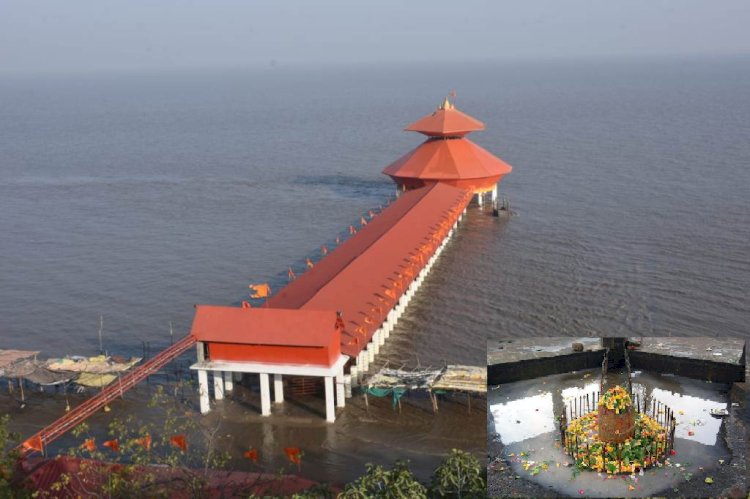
x,y
136,195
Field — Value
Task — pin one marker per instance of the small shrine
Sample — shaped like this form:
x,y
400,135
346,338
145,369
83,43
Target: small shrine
x,y
612,432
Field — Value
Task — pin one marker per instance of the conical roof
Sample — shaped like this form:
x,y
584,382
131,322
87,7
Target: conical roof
x,y
448,159
446,121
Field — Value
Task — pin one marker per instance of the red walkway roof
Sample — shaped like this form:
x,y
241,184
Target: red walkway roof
x,y
263,326
365,275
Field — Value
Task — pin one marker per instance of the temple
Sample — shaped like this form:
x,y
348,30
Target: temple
x,y
448,157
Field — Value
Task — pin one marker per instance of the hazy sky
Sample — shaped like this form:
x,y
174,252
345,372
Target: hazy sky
x,y
93,35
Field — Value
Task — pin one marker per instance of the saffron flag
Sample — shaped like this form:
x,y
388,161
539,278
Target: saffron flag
x,y
89,445
112,444
34,443
179,441
324,249
262,290
144,442
362,221
293,454
309,263
252,455
290,273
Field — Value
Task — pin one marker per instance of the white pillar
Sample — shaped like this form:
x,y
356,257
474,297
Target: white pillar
x,y
340,389
265,395
200,351
348,385
370,352
365,361
278,389
375,342
203,391
330,409
480,195
381,337
228,381
218,385
494,194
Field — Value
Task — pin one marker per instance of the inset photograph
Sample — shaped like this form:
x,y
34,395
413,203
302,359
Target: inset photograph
x,y
616,417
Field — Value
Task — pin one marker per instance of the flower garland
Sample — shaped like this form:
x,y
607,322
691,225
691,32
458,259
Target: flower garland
x,y
616,399
645,449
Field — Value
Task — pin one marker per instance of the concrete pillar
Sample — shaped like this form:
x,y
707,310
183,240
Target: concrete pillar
x,y
265,395
200,353
375,342
348,385
218,385
340,389
278,389
354,371
330,409
480,195
381,337
370,352
228,381
494,194
203,391
365,361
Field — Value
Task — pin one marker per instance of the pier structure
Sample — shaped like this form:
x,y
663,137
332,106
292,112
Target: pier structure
x,y
364,284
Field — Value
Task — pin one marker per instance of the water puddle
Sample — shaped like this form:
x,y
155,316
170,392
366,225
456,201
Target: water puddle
x,y
524,420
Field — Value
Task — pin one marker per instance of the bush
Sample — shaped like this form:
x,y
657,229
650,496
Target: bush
x,y
459,476
378,482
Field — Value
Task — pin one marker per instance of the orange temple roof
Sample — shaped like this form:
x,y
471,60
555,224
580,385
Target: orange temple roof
x,y
442,159
446,121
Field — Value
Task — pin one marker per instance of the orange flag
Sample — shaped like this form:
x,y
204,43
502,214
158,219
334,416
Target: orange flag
x,y
362,220
309,263
352,230
89,445
144,442
252,455
179,441
293,454
34,443
112,444
324,249
245,304
290,273
260,290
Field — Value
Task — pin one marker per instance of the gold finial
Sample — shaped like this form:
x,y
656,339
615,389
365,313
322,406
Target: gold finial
x,y
446,104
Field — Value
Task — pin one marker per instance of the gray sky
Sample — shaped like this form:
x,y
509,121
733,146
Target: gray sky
x,y
93,35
